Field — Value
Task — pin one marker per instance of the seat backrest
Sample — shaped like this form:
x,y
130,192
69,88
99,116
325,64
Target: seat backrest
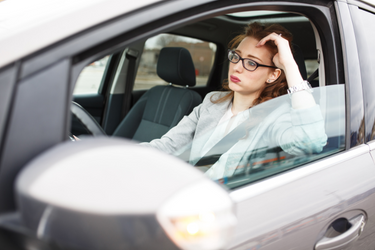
x,y
162,107
300,60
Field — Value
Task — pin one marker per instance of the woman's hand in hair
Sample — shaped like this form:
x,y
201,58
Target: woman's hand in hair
x,y
283,59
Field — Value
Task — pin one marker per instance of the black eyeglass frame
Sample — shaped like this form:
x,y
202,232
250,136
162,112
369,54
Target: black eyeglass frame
x,y
243,61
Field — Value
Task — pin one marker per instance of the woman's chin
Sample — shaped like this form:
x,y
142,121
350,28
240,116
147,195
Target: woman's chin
x,y
234,86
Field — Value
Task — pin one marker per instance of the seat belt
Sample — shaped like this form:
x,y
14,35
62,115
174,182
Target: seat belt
x,y
313,75
131,56
223,145
230,139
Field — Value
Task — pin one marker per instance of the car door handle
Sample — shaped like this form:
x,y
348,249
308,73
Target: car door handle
x,y
357,225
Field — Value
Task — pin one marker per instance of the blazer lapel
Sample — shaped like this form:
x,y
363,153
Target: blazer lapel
x,y
208,121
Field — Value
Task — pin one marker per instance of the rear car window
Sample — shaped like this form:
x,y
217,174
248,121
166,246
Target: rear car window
x,y
91,77
202,53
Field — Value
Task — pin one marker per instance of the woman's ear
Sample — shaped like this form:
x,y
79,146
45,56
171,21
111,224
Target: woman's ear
x,y
274,75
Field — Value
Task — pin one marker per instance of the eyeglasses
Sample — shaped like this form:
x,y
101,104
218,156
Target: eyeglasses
x,y
247,63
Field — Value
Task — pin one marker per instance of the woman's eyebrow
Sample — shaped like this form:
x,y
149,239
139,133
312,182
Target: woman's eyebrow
x,y
249,55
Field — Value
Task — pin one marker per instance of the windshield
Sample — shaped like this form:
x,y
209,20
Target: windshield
x,y
270,138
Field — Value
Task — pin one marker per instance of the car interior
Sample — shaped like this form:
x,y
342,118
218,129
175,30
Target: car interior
x,y
120,118
141,91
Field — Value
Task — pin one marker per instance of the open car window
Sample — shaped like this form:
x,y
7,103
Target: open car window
x,y
202,53
271,138
91,77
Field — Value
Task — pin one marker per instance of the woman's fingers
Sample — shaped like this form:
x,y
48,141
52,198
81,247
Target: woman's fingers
x,y
284,55
271,37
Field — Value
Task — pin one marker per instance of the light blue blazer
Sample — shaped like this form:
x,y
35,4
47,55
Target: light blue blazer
x,y
296,131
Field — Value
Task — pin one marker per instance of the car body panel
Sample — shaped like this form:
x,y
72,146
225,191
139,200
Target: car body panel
x,y
39,20
334,186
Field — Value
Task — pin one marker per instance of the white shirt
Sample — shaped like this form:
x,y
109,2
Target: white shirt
x,y
226,124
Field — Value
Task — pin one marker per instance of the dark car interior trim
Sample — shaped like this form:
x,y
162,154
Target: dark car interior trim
x,y
20,144
8,78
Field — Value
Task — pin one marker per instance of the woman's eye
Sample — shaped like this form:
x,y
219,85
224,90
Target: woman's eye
x,y
251,63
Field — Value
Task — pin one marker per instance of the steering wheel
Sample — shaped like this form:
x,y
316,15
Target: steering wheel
x,y
86,119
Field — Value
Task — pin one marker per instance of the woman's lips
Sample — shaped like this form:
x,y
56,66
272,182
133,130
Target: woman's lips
x,y
235,79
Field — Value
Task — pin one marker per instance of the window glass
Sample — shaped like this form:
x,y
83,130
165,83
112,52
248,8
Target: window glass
x,y
311,66
365,36
90,78
270,138
202,53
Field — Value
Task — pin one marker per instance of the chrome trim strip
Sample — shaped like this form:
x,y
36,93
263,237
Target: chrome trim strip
x,y
290,176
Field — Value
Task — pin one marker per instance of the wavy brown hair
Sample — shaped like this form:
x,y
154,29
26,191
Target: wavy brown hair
x,y
259,31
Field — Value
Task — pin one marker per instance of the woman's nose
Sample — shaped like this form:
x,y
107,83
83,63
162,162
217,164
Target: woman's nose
x,y
238,66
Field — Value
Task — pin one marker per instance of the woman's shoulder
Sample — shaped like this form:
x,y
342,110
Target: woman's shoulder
x,y
215,95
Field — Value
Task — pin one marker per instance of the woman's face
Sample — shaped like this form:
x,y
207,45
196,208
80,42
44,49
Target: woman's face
x,y
247,82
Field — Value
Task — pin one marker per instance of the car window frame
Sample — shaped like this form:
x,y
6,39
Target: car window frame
x,y
329,62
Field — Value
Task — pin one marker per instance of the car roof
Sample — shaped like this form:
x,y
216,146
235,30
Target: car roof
x,y
27,26
370,2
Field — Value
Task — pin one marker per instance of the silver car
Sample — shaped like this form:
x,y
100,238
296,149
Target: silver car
x,y
96,70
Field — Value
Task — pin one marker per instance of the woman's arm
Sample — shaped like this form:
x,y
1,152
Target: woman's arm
x,y
183,133
284,60
300,131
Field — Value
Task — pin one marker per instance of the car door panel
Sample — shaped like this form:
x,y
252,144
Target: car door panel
x,y
293,210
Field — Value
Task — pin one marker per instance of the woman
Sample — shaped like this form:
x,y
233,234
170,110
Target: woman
x,y
261,67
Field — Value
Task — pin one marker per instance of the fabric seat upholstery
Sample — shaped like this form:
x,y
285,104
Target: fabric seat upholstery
x,y
300,60
162,107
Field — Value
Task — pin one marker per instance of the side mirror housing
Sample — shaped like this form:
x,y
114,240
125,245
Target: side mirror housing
x,y
110,193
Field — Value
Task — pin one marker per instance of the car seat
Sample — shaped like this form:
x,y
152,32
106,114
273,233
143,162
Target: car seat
x,y
162,107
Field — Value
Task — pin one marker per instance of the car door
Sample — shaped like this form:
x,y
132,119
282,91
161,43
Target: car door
x,y
300,208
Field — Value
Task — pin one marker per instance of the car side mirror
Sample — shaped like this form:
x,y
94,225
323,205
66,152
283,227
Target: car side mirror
x,y
109,193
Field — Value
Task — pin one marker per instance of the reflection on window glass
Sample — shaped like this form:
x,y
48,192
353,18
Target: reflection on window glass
x,y
202,53
311,66
90,78
255,148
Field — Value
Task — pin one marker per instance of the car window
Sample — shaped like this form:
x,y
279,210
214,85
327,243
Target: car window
x,y
271,138
311,66
202,53
91,76
363,26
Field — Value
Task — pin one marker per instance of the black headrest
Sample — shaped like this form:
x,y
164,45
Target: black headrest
x,y
176,66
300,60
